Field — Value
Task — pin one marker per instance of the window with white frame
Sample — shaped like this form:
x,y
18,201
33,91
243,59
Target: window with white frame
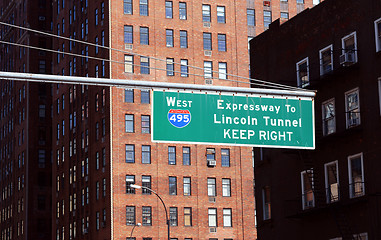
x,y
128,63
326,56
356,175
227,217
212,217
329,117
352,108
266,203
307,179
331,171
208,69
377,32
222,70
349,49
302,73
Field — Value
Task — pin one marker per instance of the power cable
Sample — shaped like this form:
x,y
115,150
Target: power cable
x,y
263,83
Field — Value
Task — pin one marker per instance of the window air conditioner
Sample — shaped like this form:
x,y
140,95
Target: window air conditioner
x,y
211,163
353,122
208,53
212,199
128,46
85,230
213,230
309,204
208,81
206,24
347,59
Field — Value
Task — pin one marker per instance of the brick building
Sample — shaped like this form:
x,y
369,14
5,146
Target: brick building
x,y
25,125
333,191
101,136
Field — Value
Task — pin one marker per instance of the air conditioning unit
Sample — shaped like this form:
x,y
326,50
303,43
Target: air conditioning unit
x,y
266,3
86,178
354,122
208,81
309,204
347,59
206,24
208,53
211,163
128,46
85,231
103,224
212,199
41,18
213,229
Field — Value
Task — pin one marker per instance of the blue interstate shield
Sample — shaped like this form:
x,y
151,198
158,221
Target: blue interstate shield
x,y
179,118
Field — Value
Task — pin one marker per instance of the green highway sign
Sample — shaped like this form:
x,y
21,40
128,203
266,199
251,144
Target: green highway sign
x,y
233,119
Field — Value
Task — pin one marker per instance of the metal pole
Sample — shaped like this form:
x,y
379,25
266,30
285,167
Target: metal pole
x,y
149,84
165,208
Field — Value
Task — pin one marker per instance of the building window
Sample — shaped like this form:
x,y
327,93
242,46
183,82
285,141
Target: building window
x,y
349,49
144,36
187,216
170,67
222,42
250,17
145,124
326,56
208,69
221,18
205,13
183,39
211,187
227,217
146,154
329,117
183,10
168,9
222,70
172,155
130,153
172,185
300,1
128,63
169,37
173,216
207,37
377,31
128,34
130,179
129,95
212,217
186,156
127,6
146,182
308,198
352,108
146,216
187,186
130,215
266,19
302,73
284,15
129,123
144,65
226,187
332,181
356,175
184,68
145,96
225,157
143,6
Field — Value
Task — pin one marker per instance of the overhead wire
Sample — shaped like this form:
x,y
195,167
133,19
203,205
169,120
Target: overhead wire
x,y
251,80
